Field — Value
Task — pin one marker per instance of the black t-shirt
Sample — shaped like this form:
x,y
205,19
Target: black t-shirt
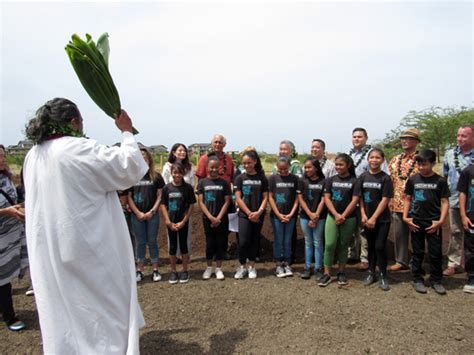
x,y
372,188
252,188
466,186
426,194
144,193
312,192
284,189
177,200
342,190
214,192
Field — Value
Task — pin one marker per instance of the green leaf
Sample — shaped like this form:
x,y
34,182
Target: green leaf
x,y
90,62
103,46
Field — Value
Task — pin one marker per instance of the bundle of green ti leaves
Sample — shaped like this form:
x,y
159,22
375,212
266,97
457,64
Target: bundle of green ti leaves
x,y
91,64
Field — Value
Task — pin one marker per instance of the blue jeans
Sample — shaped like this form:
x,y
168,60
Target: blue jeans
x,y
313,243
146,233
282,233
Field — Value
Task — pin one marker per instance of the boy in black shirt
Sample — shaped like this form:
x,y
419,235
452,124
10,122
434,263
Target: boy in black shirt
x,y
425,211
466,210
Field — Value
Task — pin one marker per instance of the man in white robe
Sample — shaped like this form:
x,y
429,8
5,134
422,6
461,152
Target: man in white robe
x,y
81,257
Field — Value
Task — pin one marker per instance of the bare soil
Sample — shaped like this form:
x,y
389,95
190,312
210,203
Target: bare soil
x,y
290,315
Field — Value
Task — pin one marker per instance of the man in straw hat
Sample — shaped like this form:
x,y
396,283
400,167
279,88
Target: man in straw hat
x,y
401,168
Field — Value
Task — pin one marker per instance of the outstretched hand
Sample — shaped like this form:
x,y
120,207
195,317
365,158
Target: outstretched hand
x,y
124,122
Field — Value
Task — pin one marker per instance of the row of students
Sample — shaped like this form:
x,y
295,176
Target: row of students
x,y
328,210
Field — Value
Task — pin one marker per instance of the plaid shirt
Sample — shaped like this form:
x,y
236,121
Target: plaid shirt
x,y
399,181
452,174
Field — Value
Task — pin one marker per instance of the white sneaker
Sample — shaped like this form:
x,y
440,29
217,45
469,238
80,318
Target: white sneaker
x,y
156,276
280,272
240,273
208,273
30,291
288,271
252,273
219,274
469,286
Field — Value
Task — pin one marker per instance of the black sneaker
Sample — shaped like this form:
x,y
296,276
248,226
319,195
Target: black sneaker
x,y
419,286
324,280
318,273
383,283
370,279
341,278
439,288
16,325
183,277
139,276
173,278
306,274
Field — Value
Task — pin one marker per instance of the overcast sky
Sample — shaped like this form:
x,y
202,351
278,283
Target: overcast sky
x,y
258,73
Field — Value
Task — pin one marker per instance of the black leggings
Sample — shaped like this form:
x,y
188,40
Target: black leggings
x,y
182,235
249,233
377,241
216,238
6,303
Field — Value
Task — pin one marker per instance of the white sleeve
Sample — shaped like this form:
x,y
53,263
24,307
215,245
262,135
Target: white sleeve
x,y
166,173
109,168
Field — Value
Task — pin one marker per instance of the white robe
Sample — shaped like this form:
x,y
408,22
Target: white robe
x,y
81,255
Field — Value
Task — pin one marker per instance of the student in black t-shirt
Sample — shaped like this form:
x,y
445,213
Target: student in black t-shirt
x,y
425,211
214,196
144,200
466,210
177,206
251,193
376,190
283,190
341,198
312,216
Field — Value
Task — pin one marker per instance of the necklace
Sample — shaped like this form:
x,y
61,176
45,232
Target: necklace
x,y
456,160
399,167
365,150
323,161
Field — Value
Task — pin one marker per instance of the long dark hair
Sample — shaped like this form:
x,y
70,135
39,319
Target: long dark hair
x,y
6,171
252,154
54,117
348,160
317,166
152,173
185,162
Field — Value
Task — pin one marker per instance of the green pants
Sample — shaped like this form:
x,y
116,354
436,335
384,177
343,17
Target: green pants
x,y
333,233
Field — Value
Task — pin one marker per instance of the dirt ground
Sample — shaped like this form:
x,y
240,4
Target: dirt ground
x,y
290,315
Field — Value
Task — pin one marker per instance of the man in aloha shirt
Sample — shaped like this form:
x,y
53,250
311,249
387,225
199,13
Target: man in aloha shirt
x,y
401,167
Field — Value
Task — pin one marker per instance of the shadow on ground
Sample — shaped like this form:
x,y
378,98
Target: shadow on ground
x,y
167,341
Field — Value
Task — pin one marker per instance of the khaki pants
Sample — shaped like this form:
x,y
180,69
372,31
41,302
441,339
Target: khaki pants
x,y
456,238
401,239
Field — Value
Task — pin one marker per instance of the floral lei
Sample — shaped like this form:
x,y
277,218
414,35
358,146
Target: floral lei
x,y
323,161
365,150
456,160
55,130
399,167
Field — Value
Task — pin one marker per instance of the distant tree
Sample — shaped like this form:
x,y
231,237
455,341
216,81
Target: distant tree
x,y
438,127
